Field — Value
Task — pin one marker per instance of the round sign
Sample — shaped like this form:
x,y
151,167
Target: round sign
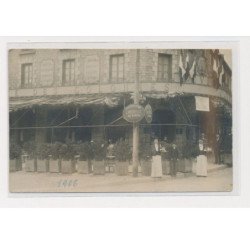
x,y
133,113
148,113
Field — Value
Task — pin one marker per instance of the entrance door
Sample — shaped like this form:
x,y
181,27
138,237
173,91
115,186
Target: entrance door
x,y
163,120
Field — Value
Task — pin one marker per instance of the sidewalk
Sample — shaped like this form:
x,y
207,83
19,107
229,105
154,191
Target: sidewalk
x,y
219,179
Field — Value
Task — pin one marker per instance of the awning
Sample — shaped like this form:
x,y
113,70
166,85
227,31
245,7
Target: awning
x,y
24,103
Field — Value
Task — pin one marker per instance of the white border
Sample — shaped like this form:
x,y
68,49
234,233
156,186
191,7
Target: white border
x,y
163,199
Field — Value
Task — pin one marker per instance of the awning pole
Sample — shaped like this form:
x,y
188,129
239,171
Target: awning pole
x,y
136,124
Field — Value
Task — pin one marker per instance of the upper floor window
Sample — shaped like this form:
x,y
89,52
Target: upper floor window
x,y
26,74
117,68
164,67
68,72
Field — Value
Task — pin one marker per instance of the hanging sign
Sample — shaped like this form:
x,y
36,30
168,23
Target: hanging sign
x,y
133,113
148,113
202,103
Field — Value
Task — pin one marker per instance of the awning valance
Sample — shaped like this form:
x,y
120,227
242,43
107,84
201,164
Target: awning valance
x,y
24,103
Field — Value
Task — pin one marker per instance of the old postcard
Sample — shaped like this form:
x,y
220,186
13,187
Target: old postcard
x,y
120,120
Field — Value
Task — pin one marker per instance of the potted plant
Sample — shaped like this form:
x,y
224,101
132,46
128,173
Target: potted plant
x,y
67,158
188,151
54,158
31,160
84,164
99,148
195,153
122,155
43,153
15,157
181,159
146,159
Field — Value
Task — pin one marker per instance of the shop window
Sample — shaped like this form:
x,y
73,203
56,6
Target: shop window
x,y
179,131
26,75
117,68
164,68
69,72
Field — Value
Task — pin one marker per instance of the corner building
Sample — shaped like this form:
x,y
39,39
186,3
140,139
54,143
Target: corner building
x,y
80,94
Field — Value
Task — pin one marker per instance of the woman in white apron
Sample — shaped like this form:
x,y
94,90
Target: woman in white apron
x,y
156,170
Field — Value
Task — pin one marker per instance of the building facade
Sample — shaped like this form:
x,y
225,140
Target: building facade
x,y
80,94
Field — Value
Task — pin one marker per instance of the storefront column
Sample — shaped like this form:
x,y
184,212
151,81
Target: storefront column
x,y
41,120
98,119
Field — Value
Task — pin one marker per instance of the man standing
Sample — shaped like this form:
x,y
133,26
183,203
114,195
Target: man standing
x,y
217,149
173,155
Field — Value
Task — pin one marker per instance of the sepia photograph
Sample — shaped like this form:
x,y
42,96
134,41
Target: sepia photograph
x,y
120,120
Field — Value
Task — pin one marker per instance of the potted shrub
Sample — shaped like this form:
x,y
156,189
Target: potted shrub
x,y
195,153
146,159
15,157
67,158
43,153
188,154
99,148
54,158
122,156
31,159
181,159
84,164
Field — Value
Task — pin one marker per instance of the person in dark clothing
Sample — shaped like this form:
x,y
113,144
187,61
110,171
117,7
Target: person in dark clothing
x,y
173,156
90,156
165,146
217,144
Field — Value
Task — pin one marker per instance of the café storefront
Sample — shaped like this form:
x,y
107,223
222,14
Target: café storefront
x,y
83,119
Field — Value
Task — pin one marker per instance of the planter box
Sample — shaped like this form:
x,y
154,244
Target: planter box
x,y
42,165
67,167
98,167
188,165
201,166
110,164
146,168
165,167
15,165
227,159
181,165
194,164
31,165
84,167
121,168
54,166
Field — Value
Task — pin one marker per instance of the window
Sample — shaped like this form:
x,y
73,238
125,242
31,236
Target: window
x,y
164,67
117,68
68,72
27,75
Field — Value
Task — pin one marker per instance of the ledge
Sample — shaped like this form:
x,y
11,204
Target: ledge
x,y
171,88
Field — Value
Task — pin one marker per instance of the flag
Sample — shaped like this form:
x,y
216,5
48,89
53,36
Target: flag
x,y
221,75
191,72
187,61
182,69
215,67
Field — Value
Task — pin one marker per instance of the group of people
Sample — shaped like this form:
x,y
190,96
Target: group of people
x,y
160,151
163,151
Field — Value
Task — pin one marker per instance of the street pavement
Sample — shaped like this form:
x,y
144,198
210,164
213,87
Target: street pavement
x,y
217,180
